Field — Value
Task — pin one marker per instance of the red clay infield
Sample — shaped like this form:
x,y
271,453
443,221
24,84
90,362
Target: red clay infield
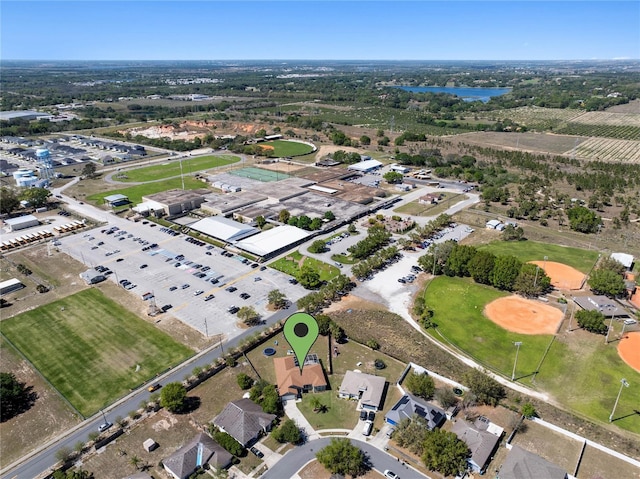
x,y
562,276
629,350
524,316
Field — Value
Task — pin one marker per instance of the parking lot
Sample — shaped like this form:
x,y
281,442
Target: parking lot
x,y
193,281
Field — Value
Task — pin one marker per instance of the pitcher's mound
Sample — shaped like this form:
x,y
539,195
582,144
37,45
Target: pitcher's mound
x,y
629,350
524,316
561,275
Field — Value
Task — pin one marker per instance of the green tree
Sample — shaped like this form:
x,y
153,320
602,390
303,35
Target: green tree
x,y
260,221
277,299
528,410
14,396
249,316
411,434
446,397
328,215
226,441
73,474
393,177
309,277
173,397
445,453
337,333
481,266
351,228
607,282
486,389
8,200
420,385
592,321
287,432
324,324
584,220
531,281
505,271
244,381
283,216
512,233
365,140
458,260
342,457
261,133
612,265
36,197
89,169
318,246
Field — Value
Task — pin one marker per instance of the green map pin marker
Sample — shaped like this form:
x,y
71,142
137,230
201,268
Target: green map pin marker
x,y
301,331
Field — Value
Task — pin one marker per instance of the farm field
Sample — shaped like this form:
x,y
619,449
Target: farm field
x,y
609,150
580,259
535,142
287,148
135,193
535,116
91,349
175,168
608,118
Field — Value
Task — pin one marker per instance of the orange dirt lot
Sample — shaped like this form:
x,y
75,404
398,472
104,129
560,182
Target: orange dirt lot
x,y
562,276
629,350
524,316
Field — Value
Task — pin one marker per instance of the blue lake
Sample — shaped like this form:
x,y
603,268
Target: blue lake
x,y
466,93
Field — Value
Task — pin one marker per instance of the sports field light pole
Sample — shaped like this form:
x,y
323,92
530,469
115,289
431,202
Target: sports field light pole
x,y
606,339
517,345
623,382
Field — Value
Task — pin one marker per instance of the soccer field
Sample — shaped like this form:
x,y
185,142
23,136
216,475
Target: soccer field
x,y
91,349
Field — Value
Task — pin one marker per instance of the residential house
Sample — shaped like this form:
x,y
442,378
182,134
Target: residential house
x,y
481,438
366,388
244,420
292,382
430,199
199,453
409,406
522,464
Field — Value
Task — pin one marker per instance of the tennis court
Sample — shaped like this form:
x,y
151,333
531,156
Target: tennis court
x,y
259,174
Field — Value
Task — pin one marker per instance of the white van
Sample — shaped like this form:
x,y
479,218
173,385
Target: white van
x,y
366,430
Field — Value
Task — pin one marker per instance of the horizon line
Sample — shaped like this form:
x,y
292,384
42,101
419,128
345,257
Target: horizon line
x,y
621,59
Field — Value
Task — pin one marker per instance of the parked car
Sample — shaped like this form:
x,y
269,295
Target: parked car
x,y
154,387
390,474
209,297
257,452
185,285
173,288
104,426
198,292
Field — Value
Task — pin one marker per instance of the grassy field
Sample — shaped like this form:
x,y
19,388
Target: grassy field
x,y
288,148
416,208
173,168
135,193
292,263
91,349
458,304
580,259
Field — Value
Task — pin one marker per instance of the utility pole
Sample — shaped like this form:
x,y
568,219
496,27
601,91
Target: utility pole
x,y
606,339
623,382
517,345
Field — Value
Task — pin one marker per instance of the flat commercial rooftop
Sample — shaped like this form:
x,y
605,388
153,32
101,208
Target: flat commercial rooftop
x,y
606,306
270,241
224,229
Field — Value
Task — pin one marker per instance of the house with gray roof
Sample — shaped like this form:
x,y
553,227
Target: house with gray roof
x,y
200,452
522,464
366,388
481,438
409,406
244,420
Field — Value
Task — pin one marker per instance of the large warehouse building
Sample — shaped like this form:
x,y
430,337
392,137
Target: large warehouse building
x,y
274,241
21,222
224,229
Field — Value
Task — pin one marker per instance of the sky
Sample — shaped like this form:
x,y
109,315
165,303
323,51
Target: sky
x,y
325,30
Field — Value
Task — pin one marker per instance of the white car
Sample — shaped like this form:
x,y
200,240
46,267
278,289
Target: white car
x,y
391,475
198,293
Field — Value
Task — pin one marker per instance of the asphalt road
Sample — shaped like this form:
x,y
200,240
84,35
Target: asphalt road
x,y
295,459
45,459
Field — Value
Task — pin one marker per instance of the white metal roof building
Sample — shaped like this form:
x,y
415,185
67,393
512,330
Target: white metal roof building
x,y
623,258
10,285
224,229
365,166
21,222
273,241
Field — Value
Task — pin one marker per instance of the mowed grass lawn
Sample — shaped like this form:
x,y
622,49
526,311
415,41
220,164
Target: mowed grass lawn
x,y
172,168
287,148
580,259
89,348
290,265
457,304
135,193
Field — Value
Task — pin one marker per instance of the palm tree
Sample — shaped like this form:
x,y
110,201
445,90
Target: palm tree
x,y
135,461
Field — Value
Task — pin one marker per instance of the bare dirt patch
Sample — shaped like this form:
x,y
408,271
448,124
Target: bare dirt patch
x,y
561,275
353,302
524,316
629,350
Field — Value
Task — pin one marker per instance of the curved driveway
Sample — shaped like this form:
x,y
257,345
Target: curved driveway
x,y
295,460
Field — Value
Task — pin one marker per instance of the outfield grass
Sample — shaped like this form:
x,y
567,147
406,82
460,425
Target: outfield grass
x,y
289,265
580,259
457,304
173,168
288,148
89,348
135,193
